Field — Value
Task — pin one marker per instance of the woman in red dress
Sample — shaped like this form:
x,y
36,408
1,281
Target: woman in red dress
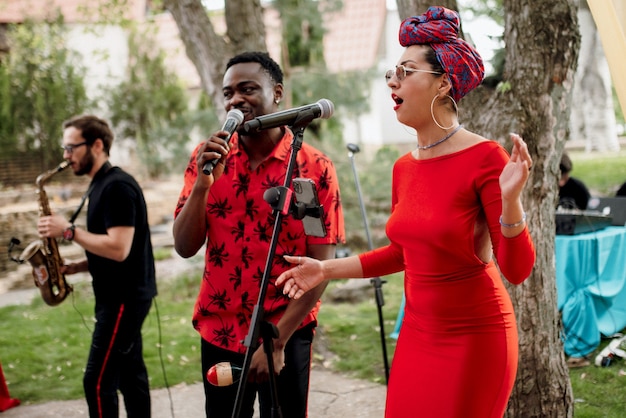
x,y
456,211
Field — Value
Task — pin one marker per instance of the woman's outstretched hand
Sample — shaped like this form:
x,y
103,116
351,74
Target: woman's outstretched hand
x,y
298,280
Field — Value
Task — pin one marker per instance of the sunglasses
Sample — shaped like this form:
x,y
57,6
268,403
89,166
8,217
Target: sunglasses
x,y
401,72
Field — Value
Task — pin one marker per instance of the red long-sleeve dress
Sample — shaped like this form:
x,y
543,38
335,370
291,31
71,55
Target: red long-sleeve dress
x,y
457,351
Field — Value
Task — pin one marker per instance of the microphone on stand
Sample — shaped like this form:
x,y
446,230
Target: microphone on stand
x,y
223,374
234,117
323,108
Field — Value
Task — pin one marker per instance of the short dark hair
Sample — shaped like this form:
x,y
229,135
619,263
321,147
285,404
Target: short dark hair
x,y
566,164
92,128
263,58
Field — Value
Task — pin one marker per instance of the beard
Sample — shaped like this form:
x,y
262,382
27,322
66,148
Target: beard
x,y
85,165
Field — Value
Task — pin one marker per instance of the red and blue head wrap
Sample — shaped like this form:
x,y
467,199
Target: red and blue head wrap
x,y
439,28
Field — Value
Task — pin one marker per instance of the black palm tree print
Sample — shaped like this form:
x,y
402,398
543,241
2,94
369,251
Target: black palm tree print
x,y
224,336
219,299
217,255
235,277
270,182
238,231
220,209
263,231
258,276
251,209
241,184
324,180
246,257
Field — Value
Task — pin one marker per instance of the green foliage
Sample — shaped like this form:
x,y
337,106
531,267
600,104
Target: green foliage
x,y
152,107
375,185
41,85
303,32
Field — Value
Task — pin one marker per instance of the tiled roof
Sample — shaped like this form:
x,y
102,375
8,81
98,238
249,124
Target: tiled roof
x,y
354,35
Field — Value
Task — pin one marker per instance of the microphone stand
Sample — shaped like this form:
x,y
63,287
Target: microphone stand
x,y
376,281
280,199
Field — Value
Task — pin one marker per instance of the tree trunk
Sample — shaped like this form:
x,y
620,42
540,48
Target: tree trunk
x,y
209,51
593,113
541,54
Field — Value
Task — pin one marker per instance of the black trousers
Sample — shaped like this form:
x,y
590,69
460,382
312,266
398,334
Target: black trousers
x,y
292,384
116,362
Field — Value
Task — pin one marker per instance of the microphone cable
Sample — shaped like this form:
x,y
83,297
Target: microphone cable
x,y
160,349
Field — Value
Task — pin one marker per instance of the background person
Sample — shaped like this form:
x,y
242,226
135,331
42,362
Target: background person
x,y
457,351
573,194
621,192
227,212
120,260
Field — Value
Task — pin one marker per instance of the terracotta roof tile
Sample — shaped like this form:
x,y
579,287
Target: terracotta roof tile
x,y
354,35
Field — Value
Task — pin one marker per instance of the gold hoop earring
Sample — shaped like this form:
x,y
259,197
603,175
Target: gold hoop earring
x,y
432,113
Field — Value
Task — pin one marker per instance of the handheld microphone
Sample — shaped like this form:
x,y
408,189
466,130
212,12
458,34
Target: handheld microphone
x,y
323,108
234,117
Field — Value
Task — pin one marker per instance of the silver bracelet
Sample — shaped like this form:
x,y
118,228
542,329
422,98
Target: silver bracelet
x,y
516,224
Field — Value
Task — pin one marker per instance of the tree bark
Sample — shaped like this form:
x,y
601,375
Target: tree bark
x,y
210,51
593,113
541,55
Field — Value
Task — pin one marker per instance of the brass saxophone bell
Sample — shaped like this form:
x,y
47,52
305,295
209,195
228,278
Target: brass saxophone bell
x,y
34,254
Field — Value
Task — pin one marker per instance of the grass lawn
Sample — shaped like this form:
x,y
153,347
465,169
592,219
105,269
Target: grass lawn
x,y
44,349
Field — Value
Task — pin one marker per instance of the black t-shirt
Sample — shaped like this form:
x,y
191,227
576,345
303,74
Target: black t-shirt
x,y
117,200
574,191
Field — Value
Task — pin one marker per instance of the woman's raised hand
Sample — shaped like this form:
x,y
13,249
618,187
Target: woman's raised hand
x,y
516,171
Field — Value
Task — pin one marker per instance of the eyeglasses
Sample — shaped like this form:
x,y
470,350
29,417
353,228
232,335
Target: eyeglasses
x,y
401,72
70,148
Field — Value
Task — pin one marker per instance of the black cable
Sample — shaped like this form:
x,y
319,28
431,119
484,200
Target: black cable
x,y
160,346
80,314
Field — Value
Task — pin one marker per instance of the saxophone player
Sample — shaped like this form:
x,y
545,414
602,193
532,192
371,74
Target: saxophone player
x,y
120,260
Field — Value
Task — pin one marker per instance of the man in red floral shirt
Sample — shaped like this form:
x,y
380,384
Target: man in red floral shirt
x,y
226,211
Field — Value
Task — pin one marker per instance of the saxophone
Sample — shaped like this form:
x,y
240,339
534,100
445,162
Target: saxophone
x,y
43,254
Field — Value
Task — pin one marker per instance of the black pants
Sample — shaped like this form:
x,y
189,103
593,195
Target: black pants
x,y
292,384
116,362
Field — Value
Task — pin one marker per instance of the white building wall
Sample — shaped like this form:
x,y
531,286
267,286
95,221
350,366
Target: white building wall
x,y
104,52
380,126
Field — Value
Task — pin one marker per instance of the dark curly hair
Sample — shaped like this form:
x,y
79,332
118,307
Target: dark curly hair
x,y
263,58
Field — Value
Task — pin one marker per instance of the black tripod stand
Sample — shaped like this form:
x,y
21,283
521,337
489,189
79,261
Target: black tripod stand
x,y
280,198
376,281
